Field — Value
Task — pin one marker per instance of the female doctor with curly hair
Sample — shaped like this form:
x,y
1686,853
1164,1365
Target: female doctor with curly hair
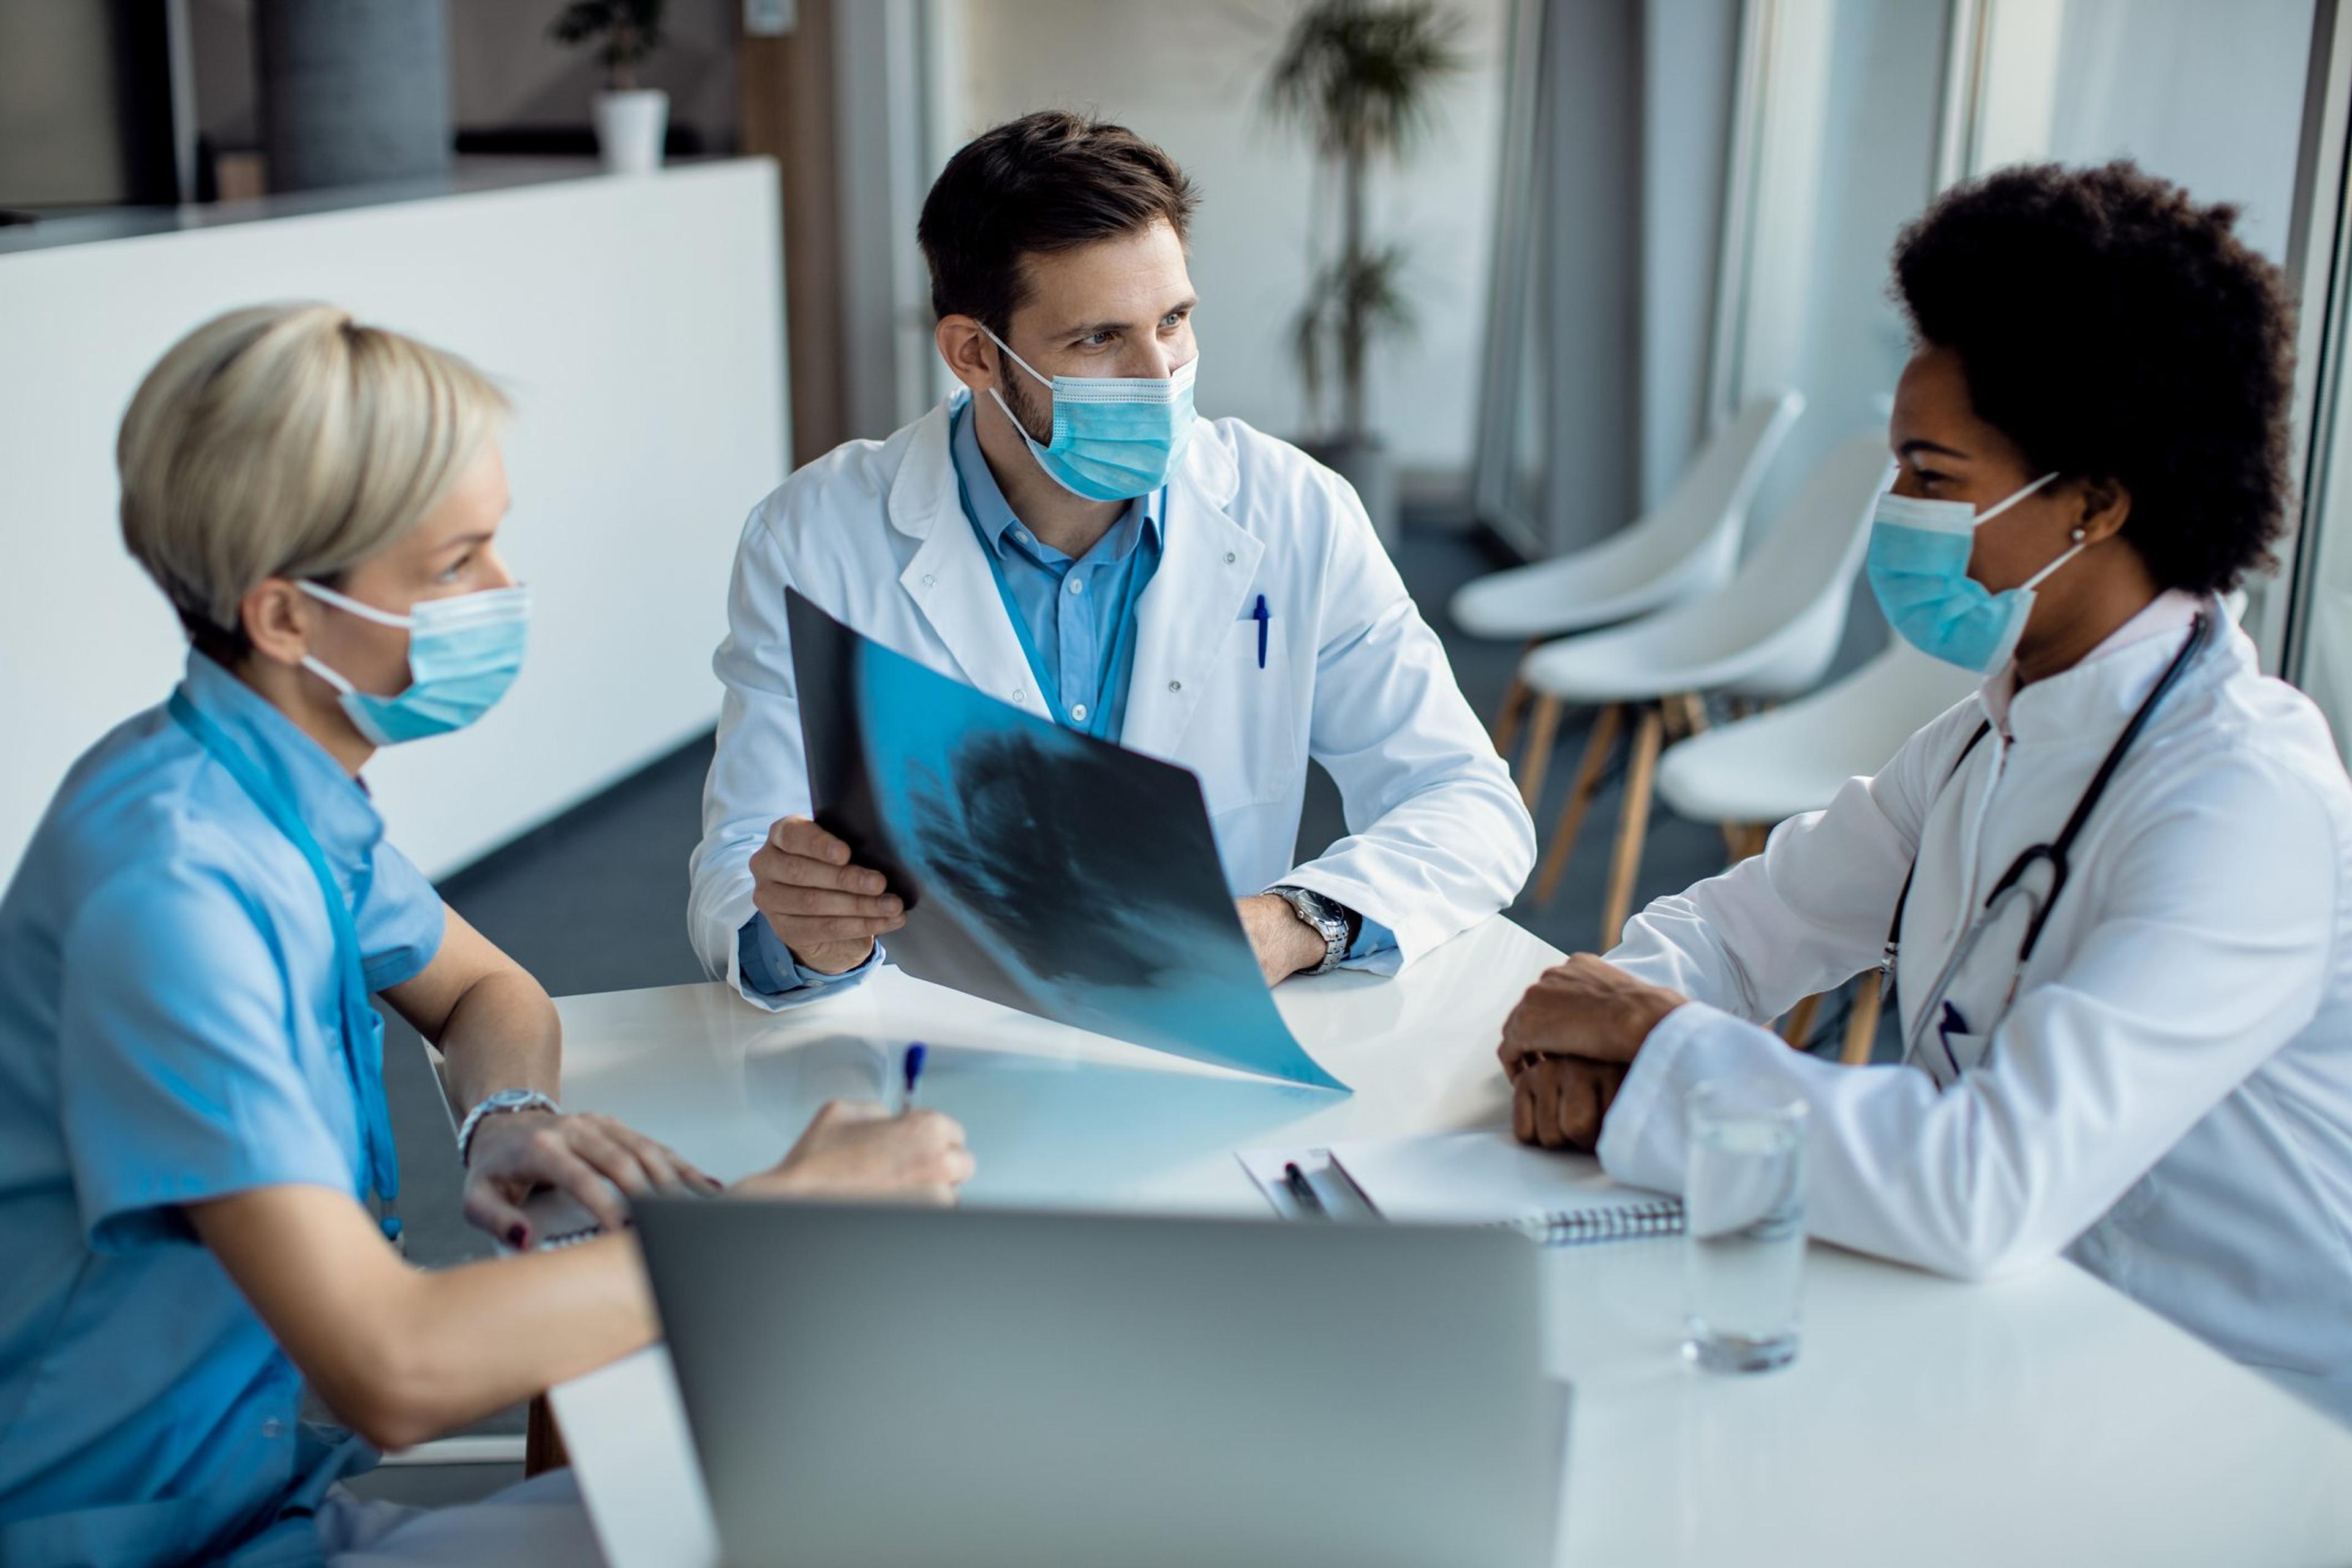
x,y
2113,887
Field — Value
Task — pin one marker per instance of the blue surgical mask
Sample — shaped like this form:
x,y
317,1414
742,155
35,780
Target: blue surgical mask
x,y
464,651
1918,567
1114,437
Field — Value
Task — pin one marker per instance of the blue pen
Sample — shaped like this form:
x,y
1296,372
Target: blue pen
x,y
1261,615
914,1071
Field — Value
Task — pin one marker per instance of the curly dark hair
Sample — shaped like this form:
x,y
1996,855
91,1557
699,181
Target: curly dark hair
x,y
2118,331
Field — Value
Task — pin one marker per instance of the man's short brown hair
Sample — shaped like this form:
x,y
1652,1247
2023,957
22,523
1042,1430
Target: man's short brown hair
x,y
1045,183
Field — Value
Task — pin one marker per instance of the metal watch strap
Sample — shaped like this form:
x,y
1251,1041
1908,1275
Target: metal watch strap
x,y
505,1102
1329,917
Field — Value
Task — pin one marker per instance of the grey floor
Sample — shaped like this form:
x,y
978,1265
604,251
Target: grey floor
x,y
595,901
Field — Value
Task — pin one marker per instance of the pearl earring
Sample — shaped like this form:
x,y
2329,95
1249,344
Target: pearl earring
x,y
2078,536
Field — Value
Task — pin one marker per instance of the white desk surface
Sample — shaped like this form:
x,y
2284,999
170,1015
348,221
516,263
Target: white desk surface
x,y
2039,1419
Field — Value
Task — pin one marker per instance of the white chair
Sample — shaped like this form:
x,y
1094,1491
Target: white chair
x,y
1755,772
1689,545
1771,632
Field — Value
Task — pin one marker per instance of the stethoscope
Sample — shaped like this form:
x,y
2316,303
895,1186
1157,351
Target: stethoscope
x,y
2012,884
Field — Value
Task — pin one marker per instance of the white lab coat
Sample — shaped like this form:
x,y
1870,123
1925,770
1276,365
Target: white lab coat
x,y
874,533
2168,1100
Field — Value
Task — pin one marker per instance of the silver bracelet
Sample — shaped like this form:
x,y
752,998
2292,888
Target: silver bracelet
x,y
505,1101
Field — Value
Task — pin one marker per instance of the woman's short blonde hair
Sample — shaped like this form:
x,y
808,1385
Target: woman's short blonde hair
x,y
288,441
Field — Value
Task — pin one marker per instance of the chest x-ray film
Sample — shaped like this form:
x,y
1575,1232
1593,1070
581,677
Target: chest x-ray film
x,y
1041,868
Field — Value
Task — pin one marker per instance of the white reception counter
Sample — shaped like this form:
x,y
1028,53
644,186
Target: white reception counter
x,y
637,323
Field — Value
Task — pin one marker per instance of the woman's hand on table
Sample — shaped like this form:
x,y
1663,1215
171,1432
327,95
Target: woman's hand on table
x,y
1559,1102
856,1149
599,1162
1566,1046
1585,1007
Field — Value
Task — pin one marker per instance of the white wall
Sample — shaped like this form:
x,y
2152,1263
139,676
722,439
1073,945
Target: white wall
x,y
1190,77
636,324
504,70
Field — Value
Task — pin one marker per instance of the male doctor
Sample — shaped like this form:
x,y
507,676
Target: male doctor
x,y
1063,535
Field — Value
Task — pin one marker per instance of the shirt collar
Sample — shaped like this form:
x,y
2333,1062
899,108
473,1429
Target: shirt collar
x,y
991,514
332,803
2111,679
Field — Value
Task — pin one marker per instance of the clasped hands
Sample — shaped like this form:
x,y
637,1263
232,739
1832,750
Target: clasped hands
x,y
1569,1043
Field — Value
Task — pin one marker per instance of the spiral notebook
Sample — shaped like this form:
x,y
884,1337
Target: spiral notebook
x,y
1490,1178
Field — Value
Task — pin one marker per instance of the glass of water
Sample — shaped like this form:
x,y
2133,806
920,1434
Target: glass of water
x,y
1743,1223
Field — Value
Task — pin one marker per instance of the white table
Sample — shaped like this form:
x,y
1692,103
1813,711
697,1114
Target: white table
x,y
2040,1419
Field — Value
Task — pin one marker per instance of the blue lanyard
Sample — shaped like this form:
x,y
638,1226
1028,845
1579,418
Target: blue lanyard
x,y
1117,667
363,1030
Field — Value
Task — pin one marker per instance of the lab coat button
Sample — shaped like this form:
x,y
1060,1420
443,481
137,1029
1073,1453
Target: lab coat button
x,y
1175,685
1229,557
928,579
1079,712
1020,694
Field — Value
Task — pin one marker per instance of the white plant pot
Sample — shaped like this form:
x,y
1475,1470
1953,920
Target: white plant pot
x,y
630,128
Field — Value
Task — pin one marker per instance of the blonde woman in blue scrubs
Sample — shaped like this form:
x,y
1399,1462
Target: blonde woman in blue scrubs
x,y
197,1185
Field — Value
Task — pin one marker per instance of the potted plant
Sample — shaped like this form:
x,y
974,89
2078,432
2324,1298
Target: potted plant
x,y
1358,77
631,120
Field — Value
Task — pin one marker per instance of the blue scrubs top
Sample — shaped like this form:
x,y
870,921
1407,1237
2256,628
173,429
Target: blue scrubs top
x,y
171,1031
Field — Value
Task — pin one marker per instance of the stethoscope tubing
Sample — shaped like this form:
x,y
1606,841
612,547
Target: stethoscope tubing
x,y
2012,884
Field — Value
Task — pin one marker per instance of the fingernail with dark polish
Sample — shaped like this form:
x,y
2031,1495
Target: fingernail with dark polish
x,y
517,1235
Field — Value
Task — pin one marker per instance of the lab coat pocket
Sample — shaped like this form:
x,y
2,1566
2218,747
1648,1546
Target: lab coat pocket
x,y
1246,753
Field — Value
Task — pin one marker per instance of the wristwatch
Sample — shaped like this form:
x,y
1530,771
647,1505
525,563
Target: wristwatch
x,y
505,1102
1334,922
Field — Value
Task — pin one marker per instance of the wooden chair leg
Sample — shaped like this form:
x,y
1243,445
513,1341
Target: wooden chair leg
x,y
1862,1023
543,1440
1633,827
1515,703
1597,747
1799,1027
1693,709
1541,732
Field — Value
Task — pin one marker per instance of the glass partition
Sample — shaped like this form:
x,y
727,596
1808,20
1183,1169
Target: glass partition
x,y
1839,143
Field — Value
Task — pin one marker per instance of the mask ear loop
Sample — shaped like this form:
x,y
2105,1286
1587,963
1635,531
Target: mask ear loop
x,y
1985,517
2035,579
1044,381
312,662
1035,444
350,606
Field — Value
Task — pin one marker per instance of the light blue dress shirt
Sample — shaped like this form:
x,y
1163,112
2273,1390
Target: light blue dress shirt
x,y
170,1032
1070,612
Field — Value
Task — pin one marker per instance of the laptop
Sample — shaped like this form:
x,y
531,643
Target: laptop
x,y
886,1386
